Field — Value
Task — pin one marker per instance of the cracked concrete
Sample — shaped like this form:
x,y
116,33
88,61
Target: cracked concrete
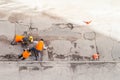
x,y
75,41
63,45
81,72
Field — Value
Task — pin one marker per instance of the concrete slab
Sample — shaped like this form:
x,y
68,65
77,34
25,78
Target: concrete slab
x,y
104,21
81,71
8,31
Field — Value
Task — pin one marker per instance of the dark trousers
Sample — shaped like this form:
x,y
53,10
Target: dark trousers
x,y
21,57
37,53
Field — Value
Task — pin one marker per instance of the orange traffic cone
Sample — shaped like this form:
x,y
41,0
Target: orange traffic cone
x,y
87,22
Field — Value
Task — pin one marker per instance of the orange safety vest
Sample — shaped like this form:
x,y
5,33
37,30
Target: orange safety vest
x,y
18,38
26,54
40,45
95,56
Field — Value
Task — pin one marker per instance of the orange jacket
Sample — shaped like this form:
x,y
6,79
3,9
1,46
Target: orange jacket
x,y
40,45
26,54
95,56
18,38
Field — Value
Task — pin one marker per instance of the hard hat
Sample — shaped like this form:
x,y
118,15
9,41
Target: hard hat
x,y
31,38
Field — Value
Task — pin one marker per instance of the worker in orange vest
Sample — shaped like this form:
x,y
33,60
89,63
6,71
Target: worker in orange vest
x,y
22,39
17,38
24,55
38,49
95,56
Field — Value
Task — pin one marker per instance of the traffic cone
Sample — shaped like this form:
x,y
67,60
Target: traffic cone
x,y
87,22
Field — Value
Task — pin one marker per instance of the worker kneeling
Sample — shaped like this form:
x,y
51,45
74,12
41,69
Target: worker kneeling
x,y
26,41
22,39
95,56
17,38
38,49
26,54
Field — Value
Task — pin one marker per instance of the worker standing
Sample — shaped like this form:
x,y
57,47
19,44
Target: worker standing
x,y
95,56
38,49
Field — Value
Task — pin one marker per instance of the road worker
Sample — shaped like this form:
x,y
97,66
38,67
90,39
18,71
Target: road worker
x,y
17,39
23,40
26,41
24,55
38,49
95,56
